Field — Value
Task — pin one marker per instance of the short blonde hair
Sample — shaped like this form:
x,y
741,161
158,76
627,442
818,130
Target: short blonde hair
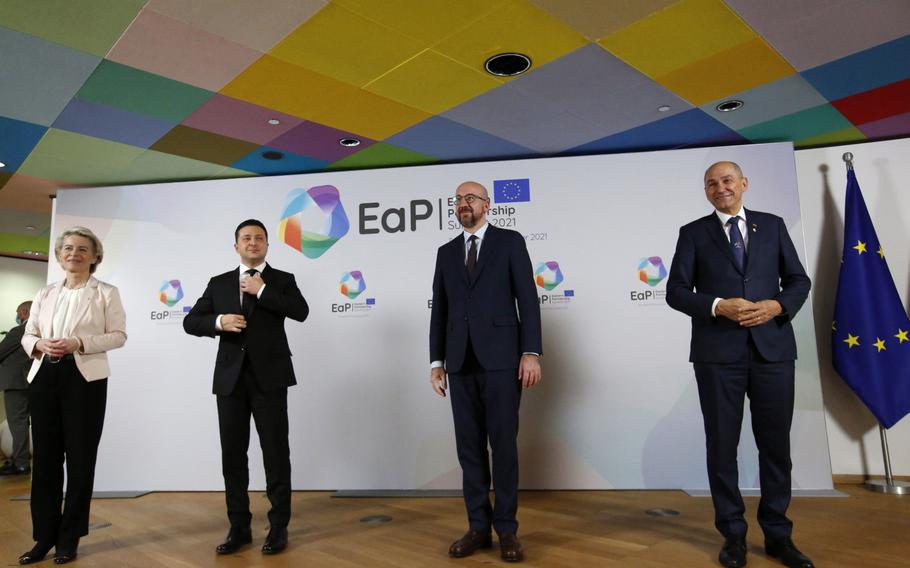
x,y
81,232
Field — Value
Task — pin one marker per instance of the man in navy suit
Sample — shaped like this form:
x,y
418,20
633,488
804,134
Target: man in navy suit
x,y
737,275
490,350
247,307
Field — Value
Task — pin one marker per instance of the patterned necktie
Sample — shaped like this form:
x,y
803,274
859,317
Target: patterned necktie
x,y
249,300
472,255
736,242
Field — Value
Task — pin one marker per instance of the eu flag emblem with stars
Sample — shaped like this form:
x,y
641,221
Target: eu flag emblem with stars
x,y
511,190
871,330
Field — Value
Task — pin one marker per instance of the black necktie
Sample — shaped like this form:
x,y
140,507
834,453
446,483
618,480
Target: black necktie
x,y
472,255
249,300
736,242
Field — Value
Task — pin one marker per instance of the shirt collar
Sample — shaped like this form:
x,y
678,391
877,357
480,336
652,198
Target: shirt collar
x,y
260,268
724,217
479,233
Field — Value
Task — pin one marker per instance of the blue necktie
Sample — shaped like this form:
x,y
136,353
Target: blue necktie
x,y
736,242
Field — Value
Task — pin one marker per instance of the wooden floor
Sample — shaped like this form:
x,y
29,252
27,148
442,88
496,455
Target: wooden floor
x,y
574,529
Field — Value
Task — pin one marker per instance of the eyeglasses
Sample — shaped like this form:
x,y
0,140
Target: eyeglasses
x,y
469,198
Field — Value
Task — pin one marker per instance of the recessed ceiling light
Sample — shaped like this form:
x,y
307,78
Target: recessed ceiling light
x,y
663,108
349,142
29,227
272,155
730,106
507,64
2,165
274,121
33,252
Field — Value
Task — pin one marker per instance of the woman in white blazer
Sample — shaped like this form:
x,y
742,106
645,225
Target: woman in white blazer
x,y
72,325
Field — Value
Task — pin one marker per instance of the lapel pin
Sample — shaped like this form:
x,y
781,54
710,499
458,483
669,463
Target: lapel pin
x,y
754,228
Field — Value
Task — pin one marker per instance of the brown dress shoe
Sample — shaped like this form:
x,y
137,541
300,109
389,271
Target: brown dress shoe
x,y
471,541
510,548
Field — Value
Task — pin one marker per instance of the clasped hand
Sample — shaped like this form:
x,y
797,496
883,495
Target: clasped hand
x,y
57,347
746,313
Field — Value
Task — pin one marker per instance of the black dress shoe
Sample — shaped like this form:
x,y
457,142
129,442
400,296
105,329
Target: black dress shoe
x,y
510,548
64,557
276,541
789,555
235,540
733,553
470,542
36,554
10,468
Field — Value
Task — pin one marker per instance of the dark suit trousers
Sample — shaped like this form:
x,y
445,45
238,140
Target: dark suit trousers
x,y
485,408
269,409
16,403
721,390
67,419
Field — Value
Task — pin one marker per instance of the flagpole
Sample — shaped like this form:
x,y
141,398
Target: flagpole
x,y
887,485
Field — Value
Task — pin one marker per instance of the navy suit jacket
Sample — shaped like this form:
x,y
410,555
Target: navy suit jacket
x,y
484,306
264,340
704,268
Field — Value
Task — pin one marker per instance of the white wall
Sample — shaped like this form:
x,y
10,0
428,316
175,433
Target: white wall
x,y
883,172
19,282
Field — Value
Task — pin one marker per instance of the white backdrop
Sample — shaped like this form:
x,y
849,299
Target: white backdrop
x,y
617,408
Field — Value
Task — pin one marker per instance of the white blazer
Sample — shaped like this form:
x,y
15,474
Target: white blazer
x,y
100,323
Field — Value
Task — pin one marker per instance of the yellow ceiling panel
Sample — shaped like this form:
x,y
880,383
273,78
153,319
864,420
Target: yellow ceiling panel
x,y
678,35
363,112
287,88
732,71
516,26
427,21
341,44
433,83
850,134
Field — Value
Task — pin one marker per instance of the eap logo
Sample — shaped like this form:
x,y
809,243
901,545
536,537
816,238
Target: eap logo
x,y
313,220
651,270
548,275
170,293
352,284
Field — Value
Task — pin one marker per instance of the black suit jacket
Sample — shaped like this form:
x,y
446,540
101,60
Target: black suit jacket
x,y
704,268
484,306
264,340
14,361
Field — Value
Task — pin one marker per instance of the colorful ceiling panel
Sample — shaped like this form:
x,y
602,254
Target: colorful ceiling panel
x,y
101,92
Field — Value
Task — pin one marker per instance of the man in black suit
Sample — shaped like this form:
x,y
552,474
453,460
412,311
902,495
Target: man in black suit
x,y
489,353
737,275
247,307
14,366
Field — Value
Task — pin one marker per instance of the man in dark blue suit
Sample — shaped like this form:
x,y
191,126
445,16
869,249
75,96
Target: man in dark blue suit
x,y
490,350
246,307
737,275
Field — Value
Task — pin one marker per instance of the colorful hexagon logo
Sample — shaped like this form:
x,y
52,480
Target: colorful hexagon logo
x,y
170,293
548,275
352,284
651,270
313,220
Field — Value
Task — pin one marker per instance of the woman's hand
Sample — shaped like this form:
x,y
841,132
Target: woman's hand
x,y
57,347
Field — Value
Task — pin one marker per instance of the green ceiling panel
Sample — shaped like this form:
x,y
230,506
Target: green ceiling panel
x,y
78,159
201,145
844,135
226,173
152,166
92,26
17,244
380,155
138,91
803,124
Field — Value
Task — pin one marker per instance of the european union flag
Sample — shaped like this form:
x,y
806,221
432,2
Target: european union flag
x,y
871,338
511,190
